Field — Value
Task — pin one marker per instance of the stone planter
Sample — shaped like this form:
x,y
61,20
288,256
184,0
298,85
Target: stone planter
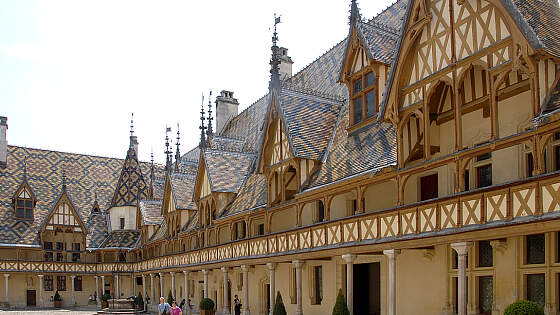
x,y
206,312
104,304
58,304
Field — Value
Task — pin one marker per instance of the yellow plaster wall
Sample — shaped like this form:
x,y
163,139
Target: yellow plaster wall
x,y
129,215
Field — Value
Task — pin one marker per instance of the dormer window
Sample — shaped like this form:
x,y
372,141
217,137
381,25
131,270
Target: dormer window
x,y
24,205
364,99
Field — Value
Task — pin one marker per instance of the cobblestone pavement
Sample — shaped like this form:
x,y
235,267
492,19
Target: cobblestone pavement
x,y
49,312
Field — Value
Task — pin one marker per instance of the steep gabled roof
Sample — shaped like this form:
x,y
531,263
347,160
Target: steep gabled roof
x,y
227,171
150,211
64,198
182,188
131,186
251,195
123,239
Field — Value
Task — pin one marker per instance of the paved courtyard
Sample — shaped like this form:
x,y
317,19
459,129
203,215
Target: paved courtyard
x,y
51,311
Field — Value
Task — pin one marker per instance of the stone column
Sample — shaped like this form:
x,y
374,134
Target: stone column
x,y
173,285
299,293
41,290
226,310
72,278
349,259
118,293
102,286
392,262
6,276
98,299
205,274
133,278
152,289
271,275
161,285
462,249
246,310
144,290
187,309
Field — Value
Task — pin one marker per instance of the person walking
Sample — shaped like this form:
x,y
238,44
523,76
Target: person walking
x,y
163,307
175,310
237,305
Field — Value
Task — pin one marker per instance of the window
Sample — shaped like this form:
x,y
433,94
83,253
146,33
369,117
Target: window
x,y
536,288
485,295
260,229
61,283
75,257
138,280
484,175
49,256
59,257
48,283
530,165
318,284
59,246
48,245
76,249
122,257
320,211
78,283
485,257
535,247
24,205
122,223
364,104
467,180
428,187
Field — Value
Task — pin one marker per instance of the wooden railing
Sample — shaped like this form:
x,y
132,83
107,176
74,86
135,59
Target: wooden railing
x,y
530,198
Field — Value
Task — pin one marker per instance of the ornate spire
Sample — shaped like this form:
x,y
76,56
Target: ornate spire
x,y
202,127
177,152
152,176
275,60
133,139
25,169
167,150
209,131
354,13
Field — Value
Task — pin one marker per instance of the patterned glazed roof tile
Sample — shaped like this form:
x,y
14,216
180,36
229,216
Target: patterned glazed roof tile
x,y
192,224
392,16
150,210
379,42
226,144
370,147
544,18
310,122
86,176
125,239
131,186
251,195
227,170
160,233
159,187
182,186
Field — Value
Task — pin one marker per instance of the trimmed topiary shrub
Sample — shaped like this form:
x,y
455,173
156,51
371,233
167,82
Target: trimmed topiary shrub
x,y
139,299
340,307
170,298
57,297
524,308
279,308
206,304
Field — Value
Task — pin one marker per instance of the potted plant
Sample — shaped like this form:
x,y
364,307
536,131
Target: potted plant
x,y
279,308
206,307
340,307
57,300
170,298
139,301
105,300
524,308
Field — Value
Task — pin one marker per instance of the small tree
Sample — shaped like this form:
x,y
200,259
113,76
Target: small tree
x,y
206,304
170,298
340,307
523,308
139,299
279,308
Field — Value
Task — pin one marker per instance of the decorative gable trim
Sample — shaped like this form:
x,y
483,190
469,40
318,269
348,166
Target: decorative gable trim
x,y
66,215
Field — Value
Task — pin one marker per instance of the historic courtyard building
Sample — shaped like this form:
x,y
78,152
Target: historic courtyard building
x,y
415,165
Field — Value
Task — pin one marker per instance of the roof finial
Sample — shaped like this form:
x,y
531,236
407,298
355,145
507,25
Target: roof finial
x,y
167,149
177,152
275,60
202,127
151,191
354,13
63,180
209,131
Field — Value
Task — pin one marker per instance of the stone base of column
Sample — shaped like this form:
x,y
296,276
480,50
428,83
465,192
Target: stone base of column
x,y
246,311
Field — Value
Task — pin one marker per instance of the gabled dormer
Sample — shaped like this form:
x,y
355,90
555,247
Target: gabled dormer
x,y
24,201
177,206
63,217
368,55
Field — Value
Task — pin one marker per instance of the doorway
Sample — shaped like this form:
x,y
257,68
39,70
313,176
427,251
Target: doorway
x,y
31,298
367,289
429,187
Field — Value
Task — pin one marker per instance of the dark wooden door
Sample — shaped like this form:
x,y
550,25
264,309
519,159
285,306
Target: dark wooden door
x,y
429,187
31,298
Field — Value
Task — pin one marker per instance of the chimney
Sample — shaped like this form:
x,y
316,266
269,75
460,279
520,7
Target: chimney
x,y
226,108
285,64
3,142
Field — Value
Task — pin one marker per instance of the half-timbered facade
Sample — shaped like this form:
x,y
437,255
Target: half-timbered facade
x,y
424,148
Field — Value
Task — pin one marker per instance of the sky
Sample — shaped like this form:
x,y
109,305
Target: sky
x,y
72,72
